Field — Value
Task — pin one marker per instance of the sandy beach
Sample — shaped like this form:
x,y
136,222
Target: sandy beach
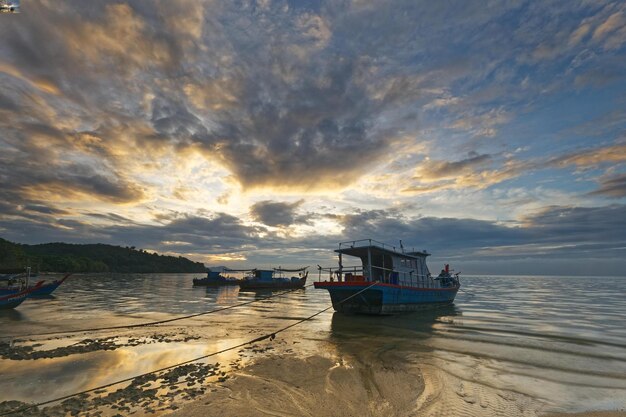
x,y
320,386
476,358
312,386
589,414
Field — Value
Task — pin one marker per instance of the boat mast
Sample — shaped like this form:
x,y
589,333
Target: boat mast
x,y
369,260
340,272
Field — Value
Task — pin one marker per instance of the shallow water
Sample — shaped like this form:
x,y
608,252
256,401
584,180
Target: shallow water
x,y
519,345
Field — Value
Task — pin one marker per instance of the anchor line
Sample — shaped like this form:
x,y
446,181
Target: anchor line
x,y
150,323
270,336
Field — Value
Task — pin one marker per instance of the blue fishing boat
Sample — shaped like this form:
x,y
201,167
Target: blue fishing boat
x,y
274,279
11,284
214,279
48,287
389,280
15,299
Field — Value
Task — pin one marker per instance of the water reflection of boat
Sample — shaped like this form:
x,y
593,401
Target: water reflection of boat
x,y
214,279
274,279
222,294
388,280
421,322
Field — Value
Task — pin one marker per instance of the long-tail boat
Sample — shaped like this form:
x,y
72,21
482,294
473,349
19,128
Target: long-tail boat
x,y
15,299
274,279
389,280
214,279
14,283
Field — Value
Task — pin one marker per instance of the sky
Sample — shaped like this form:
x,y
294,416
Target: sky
x,y
262,133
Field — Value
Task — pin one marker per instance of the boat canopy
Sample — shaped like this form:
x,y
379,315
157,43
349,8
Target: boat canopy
x,y
361,248
279,269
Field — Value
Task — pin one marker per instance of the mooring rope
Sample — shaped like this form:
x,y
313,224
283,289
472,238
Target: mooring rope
x,y
258,339
150,323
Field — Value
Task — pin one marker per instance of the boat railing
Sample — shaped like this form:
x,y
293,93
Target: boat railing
x,y
280,272
410,272
19,281
340,273
358,273
376,243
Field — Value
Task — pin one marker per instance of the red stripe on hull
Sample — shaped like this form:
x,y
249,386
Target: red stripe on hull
x,y
366,283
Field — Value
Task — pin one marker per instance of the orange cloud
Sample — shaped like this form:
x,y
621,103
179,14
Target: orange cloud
x,y
592,157
474,172
118,37
40,84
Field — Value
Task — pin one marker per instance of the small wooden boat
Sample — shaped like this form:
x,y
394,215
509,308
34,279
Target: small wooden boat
x,y
15,299
214,279
388,281
48,287
274,279
15,283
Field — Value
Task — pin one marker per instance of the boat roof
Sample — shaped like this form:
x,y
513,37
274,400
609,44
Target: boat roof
x,y
279,269
359,249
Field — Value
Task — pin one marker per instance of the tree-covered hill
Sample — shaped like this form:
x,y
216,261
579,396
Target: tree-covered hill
x,y
66,257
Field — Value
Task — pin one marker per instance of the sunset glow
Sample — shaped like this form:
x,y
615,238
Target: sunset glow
x,y
254,133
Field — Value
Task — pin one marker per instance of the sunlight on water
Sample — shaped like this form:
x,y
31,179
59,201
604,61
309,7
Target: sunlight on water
x,y
552,343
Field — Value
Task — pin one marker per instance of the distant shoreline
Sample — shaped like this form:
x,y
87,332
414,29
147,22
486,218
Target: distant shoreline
x,y
90,258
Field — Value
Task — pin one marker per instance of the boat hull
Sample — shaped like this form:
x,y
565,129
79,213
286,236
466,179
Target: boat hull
x,y
385,298
14,300
40,290
203,282
45,289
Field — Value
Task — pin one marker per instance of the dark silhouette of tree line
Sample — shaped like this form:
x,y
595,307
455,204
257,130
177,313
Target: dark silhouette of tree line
x,y
67,257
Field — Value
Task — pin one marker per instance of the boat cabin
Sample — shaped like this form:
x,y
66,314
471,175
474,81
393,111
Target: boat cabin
x,y
263,274
384,263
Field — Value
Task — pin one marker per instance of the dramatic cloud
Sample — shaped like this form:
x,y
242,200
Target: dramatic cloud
x,y
274,213
217,233
612,187
555,231
203,127
476,171
593,156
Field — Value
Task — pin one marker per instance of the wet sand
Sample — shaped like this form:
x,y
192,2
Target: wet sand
x,y
492,354
313,386
589,414
322,386
296,376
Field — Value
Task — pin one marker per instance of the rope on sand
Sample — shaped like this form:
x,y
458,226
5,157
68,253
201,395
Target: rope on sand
x,y
270,336
150,323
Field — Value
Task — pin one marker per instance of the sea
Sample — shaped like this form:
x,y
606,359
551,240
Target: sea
x,y
509,345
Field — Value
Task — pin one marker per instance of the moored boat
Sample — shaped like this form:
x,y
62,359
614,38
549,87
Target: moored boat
x,y
15,299
48,287
214,279
274,279
388,281
15,283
